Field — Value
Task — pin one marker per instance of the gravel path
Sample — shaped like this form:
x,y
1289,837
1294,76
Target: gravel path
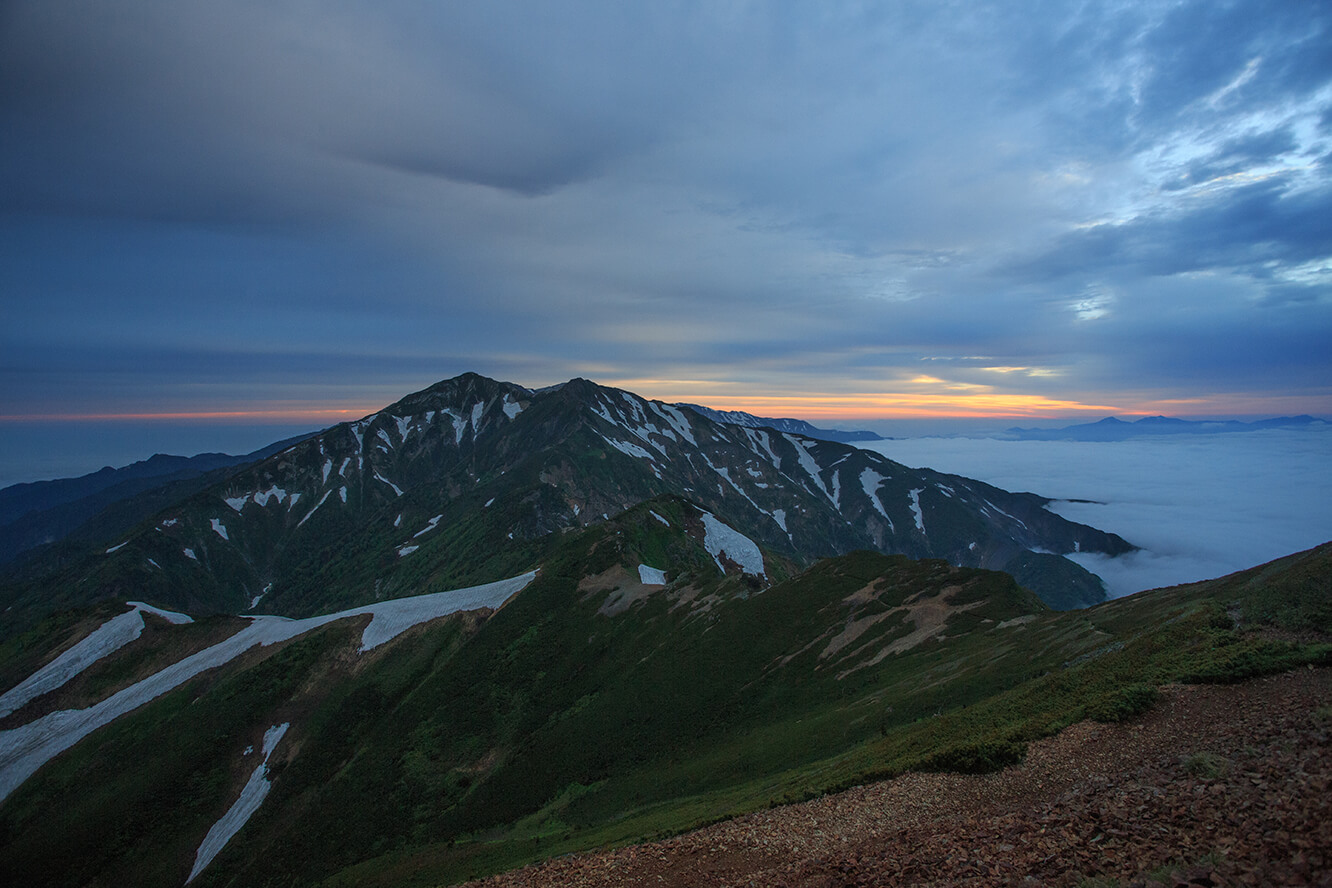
x,y
1216,785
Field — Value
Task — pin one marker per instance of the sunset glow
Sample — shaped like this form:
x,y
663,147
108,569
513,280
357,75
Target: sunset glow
x,y
833,212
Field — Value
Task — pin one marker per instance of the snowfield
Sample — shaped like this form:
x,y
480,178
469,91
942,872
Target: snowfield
x,y
651,576
25,749
251,797
721,538
106,639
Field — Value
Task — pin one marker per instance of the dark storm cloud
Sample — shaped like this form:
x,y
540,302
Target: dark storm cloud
x,y
790,195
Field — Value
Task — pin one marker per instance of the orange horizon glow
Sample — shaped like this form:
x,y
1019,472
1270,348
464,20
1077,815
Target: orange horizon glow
x,y
852,406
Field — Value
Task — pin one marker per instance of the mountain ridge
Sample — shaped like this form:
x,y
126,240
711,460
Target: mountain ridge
x,y
466,481
38,513
795,426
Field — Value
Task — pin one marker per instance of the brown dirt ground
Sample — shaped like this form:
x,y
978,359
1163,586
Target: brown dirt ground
x,y
1215,785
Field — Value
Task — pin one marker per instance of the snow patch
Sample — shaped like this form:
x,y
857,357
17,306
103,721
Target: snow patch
x,y
171,522
317,505
459,426
759,439
396,488
719,538
251,797
779,515
117,548
511,408
342,492
404,426
808,464
273,492
25,749
392,618
659,518
406,550
383,435
915,508
328,470
397,522
651,576
219,528
429,526
870,481
676,418
477,410
106,639
488,502
1005,514
238,502
628,448
189,553
725,473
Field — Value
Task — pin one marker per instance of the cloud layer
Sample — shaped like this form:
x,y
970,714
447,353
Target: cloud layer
x,y
1198,506
235,205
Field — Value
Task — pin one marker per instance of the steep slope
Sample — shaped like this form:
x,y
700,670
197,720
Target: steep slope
x,y
472,480
648,679
454,733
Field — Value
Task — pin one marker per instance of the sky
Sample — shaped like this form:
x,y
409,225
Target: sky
x,y
289,213
1196,506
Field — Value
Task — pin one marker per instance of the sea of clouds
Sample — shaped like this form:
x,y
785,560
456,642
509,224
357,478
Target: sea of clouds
x,y
1198,506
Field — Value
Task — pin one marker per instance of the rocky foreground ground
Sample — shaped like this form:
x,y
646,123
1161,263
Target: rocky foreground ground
x,y
1216,785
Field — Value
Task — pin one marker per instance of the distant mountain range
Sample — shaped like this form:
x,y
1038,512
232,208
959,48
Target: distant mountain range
x,y
1112,429
110,500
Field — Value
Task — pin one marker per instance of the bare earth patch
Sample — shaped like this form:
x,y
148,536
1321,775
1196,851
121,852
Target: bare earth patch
x,y
1216,785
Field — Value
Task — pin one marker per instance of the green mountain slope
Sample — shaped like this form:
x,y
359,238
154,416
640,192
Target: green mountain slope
x,y
600,705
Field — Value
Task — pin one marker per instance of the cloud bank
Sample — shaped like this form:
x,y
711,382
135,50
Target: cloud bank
x,y
1198,506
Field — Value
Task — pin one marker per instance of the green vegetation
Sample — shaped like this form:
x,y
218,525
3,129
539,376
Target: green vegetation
x,y
1207,765
475,745
131,808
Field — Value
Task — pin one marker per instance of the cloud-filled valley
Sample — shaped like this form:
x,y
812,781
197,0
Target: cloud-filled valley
x,y
1198,506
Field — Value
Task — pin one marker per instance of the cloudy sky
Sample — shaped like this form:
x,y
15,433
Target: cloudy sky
x,y
284,210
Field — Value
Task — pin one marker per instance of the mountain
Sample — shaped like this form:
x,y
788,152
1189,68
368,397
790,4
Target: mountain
x,y
794,426
45,512
472,480
653,673
1113,429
